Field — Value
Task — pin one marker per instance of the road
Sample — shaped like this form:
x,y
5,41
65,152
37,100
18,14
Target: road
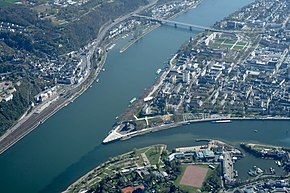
x,y
228,167
33,119
26,126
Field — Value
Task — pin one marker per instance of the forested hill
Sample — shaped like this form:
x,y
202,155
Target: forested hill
x,y
71,27
89,24
36,35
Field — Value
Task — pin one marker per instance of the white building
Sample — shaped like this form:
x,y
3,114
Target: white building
x,y
186,77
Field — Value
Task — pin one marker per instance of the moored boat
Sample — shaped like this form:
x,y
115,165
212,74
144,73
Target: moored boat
x,y
222,121
158,71
133,100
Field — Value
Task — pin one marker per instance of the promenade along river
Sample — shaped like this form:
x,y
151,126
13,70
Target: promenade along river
x,y
69,144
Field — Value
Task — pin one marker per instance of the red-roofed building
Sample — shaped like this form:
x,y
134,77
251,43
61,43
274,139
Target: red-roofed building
x,y
131,189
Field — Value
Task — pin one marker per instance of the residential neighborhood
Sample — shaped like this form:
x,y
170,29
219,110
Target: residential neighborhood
x,y
239,71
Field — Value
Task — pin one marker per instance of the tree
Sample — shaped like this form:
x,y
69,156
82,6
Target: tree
x,y
172,188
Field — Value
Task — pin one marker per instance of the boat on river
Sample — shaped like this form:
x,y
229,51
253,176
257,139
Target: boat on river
x,y
222,121
158,71
110,47
133,100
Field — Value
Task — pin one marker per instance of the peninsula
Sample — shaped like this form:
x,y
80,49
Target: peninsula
x,y
240,71
68,75
66,79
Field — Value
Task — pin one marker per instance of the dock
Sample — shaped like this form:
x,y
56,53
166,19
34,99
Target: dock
x,y
113,135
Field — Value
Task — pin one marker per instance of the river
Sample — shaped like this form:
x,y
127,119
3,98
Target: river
x,y
68,144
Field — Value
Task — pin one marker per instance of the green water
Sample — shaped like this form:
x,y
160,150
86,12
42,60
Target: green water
x,y
69,144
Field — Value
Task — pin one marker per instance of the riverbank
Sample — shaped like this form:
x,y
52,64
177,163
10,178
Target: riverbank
x,y
43,112
155,26
146,31
113,165
115,135
202,84
156,161
39,115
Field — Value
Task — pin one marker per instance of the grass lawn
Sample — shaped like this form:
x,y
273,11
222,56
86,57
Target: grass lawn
x,y
241,44
219,40
238,48
210,170
183,167
229,41
140,161
143,150
153,155
215,45
226,45
187,188
222,43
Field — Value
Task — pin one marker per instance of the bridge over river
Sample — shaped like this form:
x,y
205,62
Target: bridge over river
x,y
191,26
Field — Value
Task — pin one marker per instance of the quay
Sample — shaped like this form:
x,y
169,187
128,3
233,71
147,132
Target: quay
x,y
115,133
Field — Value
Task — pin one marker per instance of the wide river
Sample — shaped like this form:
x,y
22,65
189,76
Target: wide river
x,y
69,144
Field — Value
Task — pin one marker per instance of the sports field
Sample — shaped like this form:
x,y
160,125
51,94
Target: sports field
x,y
194,176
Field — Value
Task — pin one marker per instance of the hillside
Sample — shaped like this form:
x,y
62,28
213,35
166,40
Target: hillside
x,y
35,39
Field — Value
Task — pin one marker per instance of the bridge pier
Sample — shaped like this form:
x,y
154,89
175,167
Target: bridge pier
x,y
190,28
175,25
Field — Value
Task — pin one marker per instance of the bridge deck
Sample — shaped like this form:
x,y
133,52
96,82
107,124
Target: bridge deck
x,y
184,24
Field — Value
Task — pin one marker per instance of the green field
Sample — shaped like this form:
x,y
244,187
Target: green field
x,y
187,188
228,41
227,45
241,44
142,150
7,2
190,188
222,43
183,187
220,40
153,155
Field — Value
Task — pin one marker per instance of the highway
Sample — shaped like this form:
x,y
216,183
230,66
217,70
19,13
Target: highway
x,y
26,125
33,119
